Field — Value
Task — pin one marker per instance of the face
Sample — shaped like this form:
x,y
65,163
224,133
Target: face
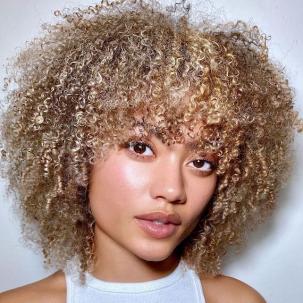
x,y
147,194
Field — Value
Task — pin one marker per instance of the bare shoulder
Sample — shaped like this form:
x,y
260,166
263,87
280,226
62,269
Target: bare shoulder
x,y
52,289
224,289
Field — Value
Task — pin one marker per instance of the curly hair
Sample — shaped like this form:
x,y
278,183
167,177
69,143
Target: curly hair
x,y
79,87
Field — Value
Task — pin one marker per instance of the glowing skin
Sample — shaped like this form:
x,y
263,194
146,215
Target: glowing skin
x,y
137,179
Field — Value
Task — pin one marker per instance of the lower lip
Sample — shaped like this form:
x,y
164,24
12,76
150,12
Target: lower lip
x,y
158,231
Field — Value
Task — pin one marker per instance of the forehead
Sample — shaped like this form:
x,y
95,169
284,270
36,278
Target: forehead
x,y
186,120
188,133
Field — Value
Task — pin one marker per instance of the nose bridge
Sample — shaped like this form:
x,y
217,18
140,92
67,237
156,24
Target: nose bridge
x,y
168,180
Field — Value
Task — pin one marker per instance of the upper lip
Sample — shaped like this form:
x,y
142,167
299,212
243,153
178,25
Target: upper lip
x,y
161,216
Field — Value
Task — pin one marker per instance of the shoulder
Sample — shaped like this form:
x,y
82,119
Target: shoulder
x,y
224,289
52,289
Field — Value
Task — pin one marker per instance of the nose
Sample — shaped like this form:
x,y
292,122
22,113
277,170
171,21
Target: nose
x,y
168,181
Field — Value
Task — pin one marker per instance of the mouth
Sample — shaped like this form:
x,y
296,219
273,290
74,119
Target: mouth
x,y
159,225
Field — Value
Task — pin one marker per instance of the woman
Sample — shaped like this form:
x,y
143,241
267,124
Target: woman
x,y
141,148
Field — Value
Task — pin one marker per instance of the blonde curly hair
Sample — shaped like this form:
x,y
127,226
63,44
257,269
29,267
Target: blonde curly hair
x,y
79,88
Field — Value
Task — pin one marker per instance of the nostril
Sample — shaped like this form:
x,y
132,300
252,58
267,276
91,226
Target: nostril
x,y
169,194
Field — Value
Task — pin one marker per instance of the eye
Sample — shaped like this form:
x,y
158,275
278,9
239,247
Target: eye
x,y
202,165
140,148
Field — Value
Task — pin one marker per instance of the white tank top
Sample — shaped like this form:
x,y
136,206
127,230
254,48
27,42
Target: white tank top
x,y
182,285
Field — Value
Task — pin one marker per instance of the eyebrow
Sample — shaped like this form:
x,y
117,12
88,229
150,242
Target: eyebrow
x,y
189,145
192,145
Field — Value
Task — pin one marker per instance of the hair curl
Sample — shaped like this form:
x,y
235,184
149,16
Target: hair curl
x,y
79,88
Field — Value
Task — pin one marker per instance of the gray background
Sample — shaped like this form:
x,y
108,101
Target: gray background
x,y
272,261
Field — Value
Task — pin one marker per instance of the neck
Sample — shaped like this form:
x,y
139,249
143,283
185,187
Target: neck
x,y
116,264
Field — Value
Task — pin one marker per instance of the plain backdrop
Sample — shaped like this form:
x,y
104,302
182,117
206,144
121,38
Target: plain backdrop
x,y
272,261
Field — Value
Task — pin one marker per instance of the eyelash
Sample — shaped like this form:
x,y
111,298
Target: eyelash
x,y
132,144
137,155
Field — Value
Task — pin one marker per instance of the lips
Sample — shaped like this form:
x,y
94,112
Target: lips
x,y
162,217
159,225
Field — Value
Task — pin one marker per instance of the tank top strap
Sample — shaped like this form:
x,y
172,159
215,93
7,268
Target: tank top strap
x,y
197,280
70,291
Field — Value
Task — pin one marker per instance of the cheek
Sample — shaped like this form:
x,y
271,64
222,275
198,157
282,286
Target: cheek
x,y
200,194
116,180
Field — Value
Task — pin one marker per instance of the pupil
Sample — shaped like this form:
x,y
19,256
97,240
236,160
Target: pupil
x,y
139,148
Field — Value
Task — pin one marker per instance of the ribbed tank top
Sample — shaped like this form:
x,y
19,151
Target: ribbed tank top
x,y
181,285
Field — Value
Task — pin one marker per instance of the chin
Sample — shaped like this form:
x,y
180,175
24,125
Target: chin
x,y
154,254
155,258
